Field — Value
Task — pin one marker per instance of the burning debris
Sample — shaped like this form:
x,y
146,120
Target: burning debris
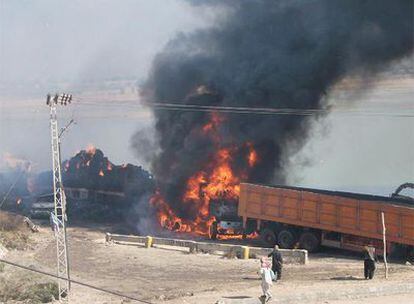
x,y
95,187
281,54
90,169
218,179
90,176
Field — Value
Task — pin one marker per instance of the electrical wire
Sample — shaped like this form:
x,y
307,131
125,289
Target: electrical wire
x,y
76,282
11,188
246,110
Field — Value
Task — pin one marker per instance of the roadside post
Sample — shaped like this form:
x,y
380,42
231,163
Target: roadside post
x,y
385,244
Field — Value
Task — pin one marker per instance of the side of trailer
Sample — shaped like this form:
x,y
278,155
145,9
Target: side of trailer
x,y
301,217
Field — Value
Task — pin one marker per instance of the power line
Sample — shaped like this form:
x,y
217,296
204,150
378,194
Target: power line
x,y
251,110
11,188
75,282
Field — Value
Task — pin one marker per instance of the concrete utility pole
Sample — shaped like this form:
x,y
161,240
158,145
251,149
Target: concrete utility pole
x,y
59,196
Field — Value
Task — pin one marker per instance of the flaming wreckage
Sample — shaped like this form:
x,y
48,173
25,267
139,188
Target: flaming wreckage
x,y
94,187
91,180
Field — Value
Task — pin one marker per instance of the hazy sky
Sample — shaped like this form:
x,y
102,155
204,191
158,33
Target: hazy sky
x,y
358,152
87,39
53,45
47,45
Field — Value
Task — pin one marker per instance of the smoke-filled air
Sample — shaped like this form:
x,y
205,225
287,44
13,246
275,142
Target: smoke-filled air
x,y
262,54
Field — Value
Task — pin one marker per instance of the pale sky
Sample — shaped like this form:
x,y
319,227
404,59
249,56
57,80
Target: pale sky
x,y
57,40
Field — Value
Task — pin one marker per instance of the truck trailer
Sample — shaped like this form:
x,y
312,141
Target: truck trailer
x,y
308,218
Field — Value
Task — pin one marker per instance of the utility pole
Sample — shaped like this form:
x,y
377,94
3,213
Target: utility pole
x,y
59,196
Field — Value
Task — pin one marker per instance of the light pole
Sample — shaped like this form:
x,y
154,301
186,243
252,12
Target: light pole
x,y
59,195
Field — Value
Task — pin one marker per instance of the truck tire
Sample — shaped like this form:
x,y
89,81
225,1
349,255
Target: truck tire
x,y
286,239
309,241
213,231
410,254
268,237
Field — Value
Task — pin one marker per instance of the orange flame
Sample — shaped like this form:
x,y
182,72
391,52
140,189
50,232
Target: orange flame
x,y
213,124
252,158
252,235
216,180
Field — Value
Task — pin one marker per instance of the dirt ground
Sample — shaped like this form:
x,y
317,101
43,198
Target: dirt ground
x,y
161,275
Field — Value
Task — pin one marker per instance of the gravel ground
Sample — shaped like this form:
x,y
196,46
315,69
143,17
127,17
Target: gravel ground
x,y
172,276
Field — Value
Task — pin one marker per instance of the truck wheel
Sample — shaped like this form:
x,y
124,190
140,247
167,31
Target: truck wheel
x,y
213,231
268,237
410,254
286,239
309,241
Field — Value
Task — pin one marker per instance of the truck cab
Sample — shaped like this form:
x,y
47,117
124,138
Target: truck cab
x,y
227,222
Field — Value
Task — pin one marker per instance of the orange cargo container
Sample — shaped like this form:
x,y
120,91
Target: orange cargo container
x,y
307,218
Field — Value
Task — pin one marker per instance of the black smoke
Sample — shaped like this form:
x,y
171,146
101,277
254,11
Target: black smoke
x,y
278,54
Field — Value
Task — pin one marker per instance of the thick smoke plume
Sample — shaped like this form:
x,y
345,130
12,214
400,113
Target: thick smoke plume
x,y
278,54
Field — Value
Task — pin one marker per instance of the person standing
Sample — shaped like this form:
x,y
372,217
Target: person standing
x,y
266,275
369,262
277,262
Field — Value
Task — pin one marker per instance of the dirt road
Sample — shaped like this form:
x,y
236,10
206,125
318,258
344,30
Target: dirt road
x,y
171,276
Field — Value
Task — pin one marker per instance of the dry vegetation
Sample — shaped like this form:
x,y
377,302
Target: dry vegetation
x,y
23,288
14,233
18,286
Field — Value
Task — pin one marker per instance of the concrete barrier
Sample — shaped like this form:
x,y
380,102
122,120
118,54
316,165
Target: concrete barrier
x,y
294,256
290,256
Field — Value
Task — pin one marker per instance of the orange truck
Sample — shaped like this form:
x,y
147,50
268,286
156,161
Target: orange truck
x,y
308,218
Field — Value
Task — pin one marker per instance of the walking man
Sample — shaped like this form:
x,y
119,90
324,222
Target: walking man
x,y
266,275
369,262
277,262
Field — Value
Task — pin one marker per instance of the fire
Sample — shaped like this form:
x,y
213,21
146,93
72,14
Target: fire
x,y
169,220
252,157
92,161
220,182
213,124
252,235
216,180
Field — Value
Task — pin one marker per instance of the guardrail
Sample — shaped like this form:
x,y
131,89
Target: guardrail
x,y
290,256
